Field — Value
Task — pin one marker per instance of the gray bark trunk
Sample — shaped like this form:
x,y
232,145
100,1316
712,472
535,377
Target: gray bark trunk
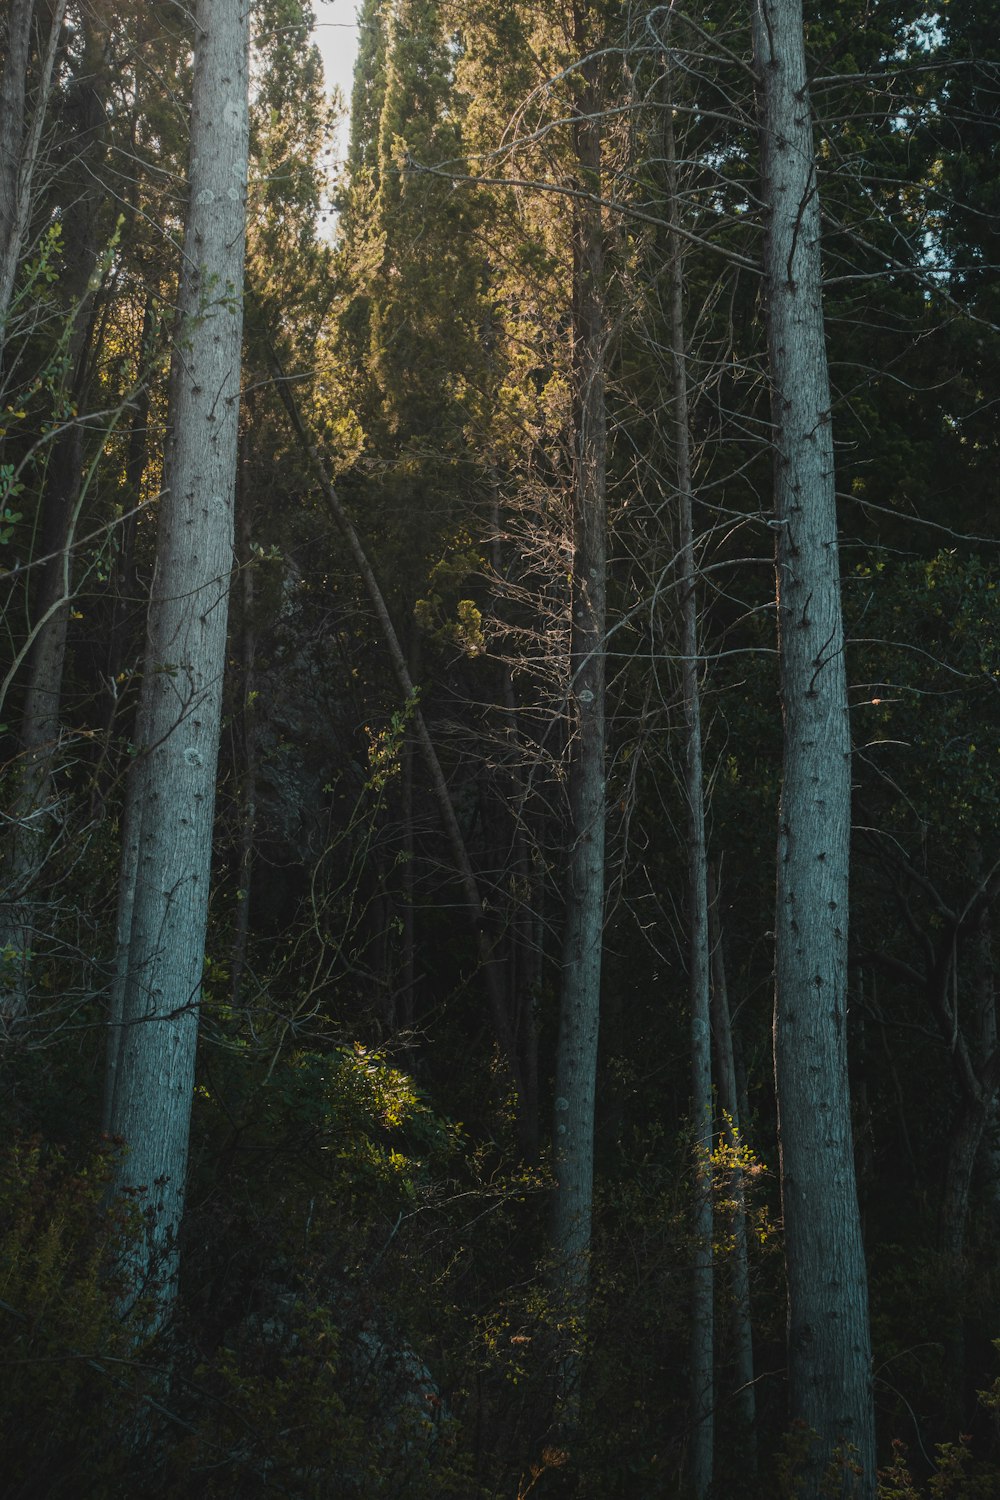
x,y
170,843
579,1014
829,1350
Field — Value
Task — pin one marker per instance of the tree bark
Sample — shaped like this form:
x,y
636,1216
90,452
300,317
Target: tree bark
x,y
829,1349
170,843
579,1013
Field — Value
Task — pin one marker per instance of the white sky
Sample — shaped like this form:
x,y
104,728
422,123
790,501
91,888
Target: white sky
x,y
336,36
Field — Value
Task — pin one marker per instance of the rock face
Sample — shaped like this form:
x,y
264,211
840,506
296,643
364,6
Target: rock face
x,y
382,1375
413,1406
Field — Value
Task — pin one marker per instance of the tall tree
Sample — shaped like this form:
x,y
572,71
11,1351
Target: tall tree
x,y
166,861
583,937
829,1349
699,957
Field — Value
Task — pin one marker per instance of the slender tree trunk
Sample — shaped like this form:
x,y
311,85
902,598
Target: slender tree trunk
x,y
523,966
580,1000
13,85
733,1116
523,962
33,828
245,718
170,842
988,1050
403,1004
963,1147
125,581
702,1236
20,144
33,833
977,1067
829,1349
405,1011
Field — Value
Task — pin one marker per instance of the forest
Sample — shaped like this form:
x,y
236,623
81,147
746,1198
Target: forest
x,y
500,751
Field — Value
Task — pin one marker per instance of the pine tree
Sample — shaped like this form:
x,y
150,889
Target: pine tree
x,y
829,1344
166,856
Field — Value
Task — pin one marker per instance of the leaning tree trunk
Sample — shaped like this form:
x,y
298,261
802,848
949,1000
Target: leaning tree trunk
x,y
170,844
579,1013
829,1349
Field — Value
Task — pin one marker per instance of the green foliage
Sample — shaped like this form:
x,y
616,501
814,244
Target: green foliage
x,y
463,628
354,1103
957,1475
289,1403
332,1199
385,746
291,1397
895,1481
72,1384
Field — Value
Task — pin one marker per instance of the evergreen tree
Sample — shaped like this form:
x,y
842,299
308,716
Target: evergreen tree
x,y
829,1343
166,853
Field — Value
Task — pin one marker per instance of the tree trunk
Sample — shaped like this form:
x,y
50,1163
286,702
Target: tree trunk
x,y
702,1236
125,598
977,1064
245,724
579,1014
963,1147
524,958
405,1004
33,833
734,1116
170,844
19,147
13,84
829,1350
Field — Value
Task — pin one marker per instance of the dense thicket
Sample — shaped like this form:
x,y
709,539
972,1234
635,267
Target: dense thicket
x,y
485,1192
